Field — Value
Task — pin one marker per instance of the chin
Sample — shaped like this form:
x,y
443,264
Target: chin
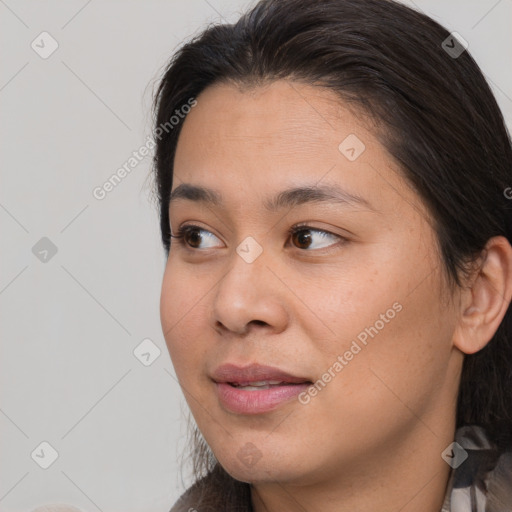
x,y
266,464
260,475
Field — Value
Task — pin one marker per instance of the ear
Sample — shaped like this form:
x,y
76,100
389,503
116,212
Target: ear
x,y
485,301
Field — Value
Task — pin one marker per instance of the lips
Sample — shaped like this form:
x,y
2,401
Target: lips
x,y
255,375
256,389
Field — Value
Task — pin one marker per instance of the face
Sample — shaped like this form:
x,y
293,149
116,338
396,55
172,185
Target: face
x,y
313,257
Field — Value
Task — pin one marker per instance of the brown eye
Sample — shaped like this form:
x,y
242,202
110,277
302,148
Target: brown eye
x,y
306,237
302,238
193,236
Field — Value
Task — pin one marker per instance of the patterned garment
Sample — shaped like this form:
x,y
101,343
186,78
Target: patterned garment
x,y
483,481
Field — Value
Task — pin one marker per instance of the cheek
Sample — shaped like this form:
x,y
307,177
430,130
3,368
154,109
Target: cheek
x,y
389,327
183,316
394,361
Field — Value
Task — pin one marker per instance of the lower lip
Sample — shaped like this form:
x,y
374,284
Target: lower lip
x,y
257,401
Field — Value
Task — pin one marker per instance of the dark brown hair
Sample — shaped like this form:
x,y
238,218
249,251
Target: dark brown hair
x,y
441,123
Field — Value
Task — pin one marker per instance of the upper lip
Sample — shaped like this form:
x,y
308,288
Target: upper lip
x,y
253,373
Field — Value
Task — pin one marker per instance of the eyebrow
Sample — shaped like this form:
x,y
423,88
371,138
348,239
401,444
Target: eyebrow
x,y
286,199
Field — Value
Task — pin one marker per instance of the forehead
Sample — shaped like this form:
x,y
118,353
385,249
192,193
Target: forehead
x,y
254,142
279,117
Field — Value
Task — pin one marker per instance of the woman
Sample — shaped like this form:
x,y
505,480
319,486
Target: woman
x,y
333,176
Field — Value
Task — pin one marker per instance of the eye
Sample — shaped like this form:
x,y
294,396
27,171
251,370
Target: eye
x,y
304,237
192,236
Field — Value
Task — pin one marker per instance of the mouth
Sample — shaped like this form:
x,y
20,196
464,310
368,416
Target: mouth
x,y
256,389
255,375
263,384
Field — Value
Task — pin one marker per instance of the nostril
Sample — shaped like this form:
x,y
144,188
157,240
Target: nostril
x,y
259,322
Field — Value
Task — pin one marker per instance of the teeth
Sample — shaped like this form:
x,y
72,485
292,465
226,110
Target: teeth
x,y
259,384
253,388
263,382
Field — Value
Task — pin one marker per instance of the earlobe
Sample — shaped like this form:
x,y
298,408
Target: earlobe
x,y
485,301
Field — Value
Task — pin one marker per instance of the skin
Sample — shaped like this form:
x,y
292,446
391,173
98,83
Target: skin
x,y
372,438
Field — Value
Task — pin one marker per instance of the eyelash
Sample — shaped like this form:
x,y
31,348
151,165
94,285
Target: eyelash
x,y
183,230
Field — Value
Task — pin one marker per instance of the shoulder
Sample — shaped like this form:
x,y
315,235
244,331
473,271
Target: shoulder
x,y
483,475
499,487
181,506
215,492
190,500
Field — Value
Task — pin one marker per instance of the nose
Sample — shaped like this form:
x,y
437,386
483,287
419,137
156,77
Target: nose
x,y
249,296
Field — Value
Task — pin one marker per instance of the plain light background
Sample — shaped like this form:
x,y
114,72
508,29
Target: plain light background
x,y
70,325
